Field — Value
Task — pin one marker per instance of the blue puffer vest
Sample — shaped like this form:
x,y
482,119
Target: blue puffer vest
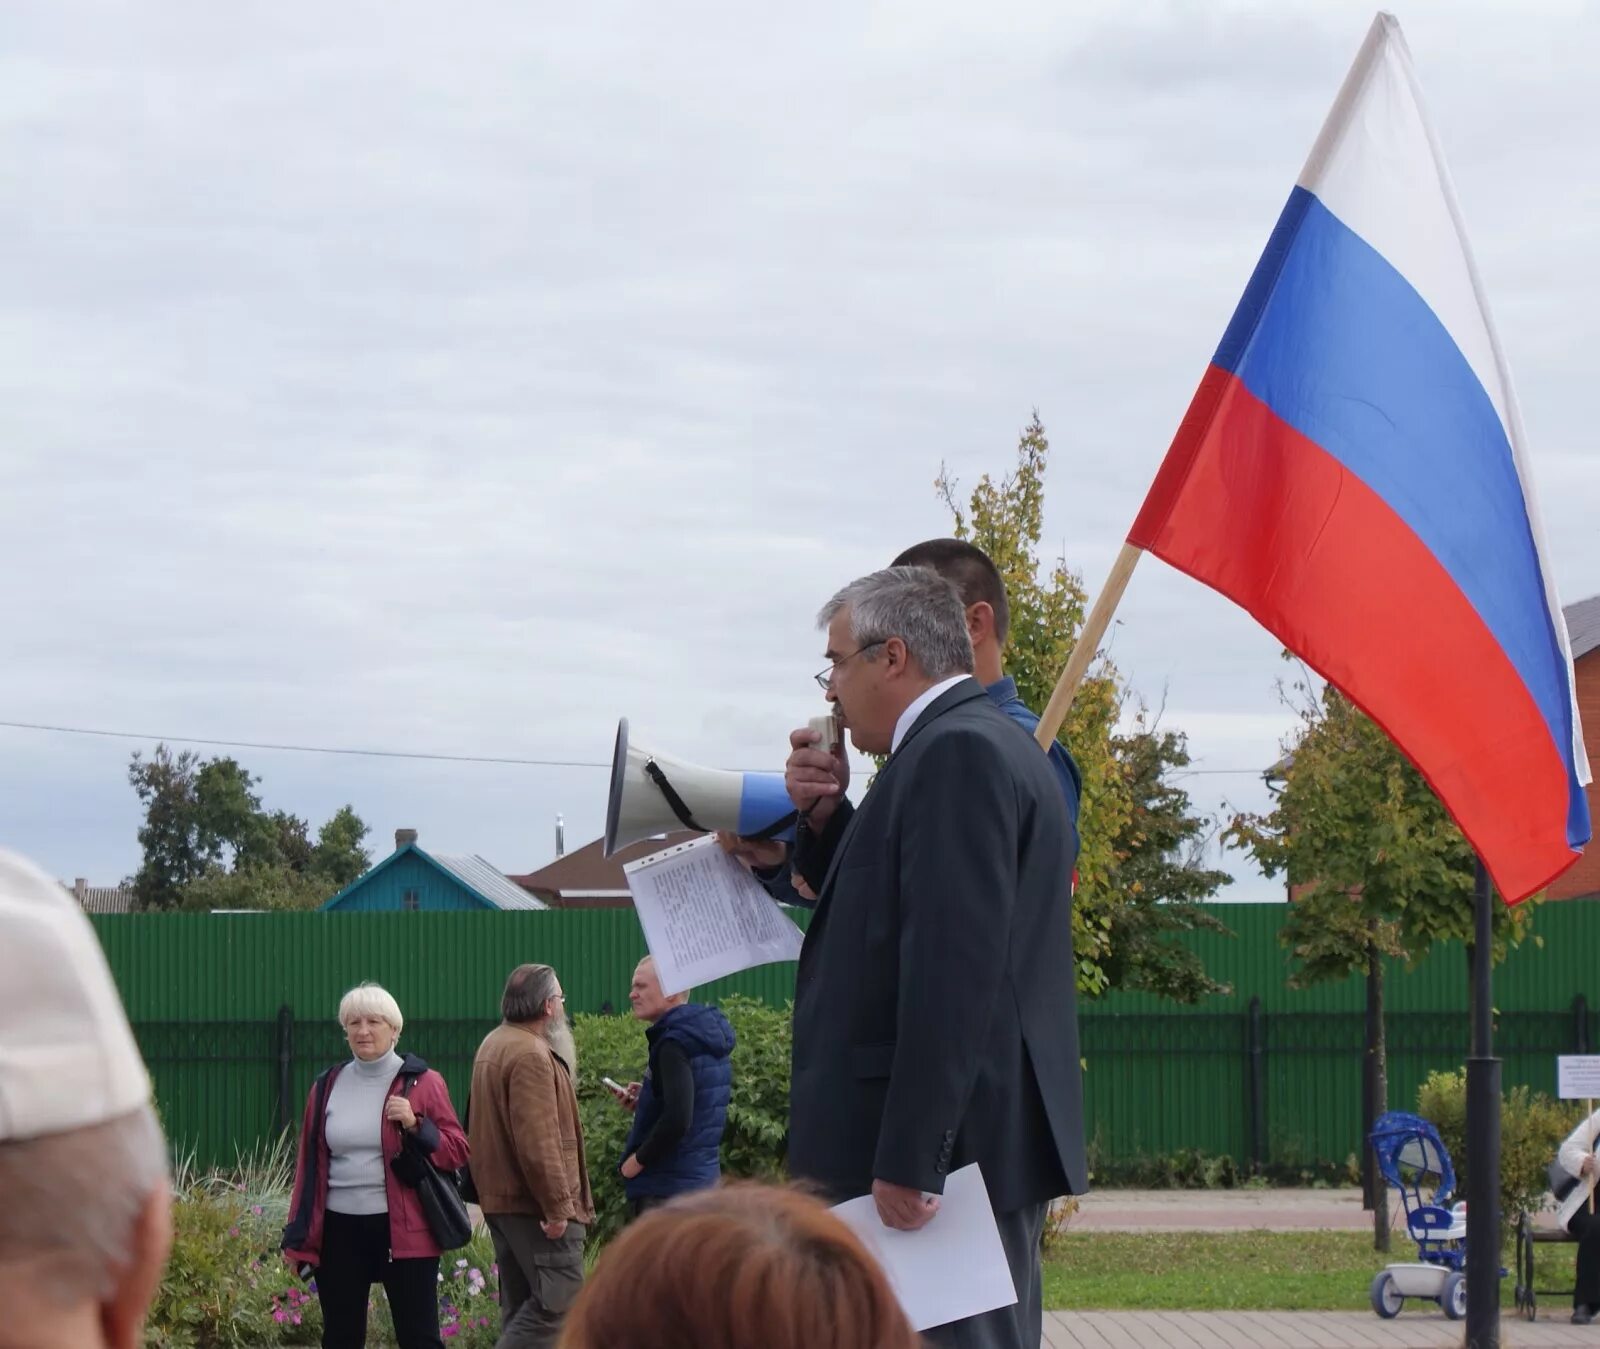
x,y
706,1037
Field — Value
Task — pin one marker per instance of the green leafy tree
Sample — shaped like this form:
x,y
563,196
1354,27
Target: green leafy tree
x,y
338,854
208,842
1375,865
1139,889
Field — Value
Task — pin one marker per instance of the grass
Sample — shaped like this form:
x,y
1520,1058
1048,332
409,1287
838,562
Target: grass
x,y
1240,1271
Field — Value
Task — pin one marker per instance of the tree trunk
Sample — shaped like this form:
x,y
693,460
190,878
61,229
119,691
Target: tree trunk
x,y
1378,1091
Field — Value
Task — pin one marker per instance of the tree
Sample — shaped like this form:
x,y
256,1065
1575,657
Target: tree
x,y
1375,864
208,842
1139,889
1159,873
339,855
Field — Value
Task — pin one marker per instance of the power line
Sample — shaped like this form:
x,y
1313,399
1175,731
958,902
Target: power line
x,y
418,754
306,749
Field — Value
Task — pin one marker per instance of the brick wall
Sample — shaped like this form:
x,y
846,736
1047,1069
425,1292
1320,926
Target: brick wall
x,y
1584,878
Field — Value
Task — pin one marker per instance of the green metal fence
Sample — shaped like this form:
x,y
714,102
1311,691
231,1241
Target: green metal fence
x,y
235,1014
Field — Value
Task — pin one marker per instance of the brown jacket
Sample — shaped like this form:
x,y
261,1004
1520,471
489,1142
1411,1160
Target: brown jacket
x,y
527,1140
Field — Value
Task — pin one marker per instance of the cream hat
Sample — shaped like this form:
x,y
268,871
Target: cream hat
x,y
67,1055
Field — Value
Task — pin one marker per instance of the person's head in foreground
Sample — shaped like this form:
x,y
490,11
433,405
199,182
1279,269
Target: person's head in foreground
x,y
85,1209
736,1267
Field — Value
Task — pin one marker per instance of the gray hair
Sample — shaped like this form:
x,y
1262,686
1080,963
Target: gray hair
x,y
527,991
70,1203
371,999
920,607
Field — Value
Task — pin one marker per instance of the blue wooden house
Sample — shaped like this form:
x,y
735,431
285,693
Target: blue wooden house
x,y
410,880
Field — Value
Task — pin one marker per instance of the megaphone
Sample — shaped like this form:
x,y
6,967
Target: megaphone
x,y
653,793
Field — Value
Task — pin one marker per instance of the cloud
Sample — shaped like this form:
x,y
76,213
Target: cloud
x,y
463,381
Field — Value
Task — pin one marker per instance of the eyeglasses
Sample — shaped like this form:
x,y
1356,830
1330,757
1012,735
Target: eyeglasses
x,y
825,678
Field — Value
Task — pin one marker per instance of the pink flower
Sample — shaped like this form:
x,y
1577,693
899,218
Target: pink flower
x,y
448,1333
295,1318
256,1209
233,1231
278,1315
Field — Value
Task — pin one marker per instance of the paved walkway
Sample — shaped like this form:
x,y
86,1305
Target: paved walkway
x,y
1221,1211
1296,1330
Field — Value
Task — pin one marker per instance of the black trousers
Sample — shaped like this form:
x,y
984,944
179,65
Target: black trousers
x,y
355,1255
644,1203
1586,1227
1017,1327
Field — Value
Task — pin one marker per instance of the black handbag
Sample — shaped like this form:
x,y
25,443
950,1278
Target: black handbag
x,y
442,1205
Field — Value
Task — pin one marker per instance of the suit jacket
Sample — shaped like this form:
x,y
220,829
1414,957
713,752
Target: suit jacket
x,y
935,1017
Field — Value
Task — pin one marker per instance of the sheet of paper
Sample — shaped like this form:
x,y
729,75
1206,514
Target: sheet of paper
x,y
954,1267
704,916
1578,1076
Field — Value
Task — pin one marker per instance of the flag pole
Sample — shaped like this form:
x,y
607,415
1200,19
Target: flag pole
x,y
1483,1132
1094,628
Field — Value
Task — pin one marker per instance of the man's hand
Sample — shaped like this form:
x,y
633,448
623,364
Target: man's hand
x,y
801,888
630,1098
902,1209
631,1167
1587,1169
397,1110
556,1230
753,853
815,778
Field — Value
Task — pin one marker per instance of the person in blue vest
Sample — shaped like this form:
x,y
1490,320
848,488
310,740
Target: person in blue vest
x,y
680,1108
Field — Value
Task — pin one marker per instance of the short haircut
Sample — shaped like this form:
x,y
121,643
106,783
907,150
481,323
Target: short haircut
x,y
70,1203
918,606
683,993
371,1000
528,989
972,570
736,1266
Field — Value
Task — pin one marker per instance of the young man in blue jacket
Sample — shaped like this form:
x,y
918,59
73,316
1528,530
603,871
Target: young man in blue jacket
x,y
983,594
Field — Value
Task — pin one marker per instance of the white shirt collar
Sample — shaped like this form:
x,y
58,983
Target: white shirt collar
x,y
908,718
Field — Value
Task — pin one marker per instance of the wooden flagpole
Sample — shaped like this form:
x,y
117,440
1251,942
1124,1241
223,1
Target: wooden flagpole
x,y
1094,628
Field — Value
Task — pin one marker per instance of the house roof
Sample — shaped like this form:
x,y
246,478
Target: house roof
x,y
486,882
493,887
102,898
587,873
1583,625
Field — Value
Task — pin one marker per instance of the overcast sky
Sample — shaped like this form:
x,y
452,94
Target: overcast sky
x,y
461,378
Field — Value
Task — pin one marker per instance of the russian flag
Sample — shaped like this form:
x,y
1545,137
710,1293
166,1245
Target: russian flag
x,y
1352,472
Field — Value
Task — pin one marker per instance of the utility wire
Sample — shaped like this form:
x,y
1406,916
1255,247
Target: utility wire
x,y
418,754
306,749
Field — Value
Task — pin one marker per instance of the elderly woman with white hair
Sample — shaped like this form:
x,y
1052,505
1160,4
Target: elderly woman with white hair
x,y
351,1219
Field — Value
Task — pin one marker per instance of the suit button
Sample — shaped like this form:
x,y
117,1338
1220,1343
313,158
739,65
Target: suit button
x,y
949,1135
942,1168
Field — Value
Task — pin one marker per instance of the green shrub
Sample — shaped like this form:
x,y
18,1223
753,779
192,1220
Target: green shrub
x,y
225,1285
1532,1126
755,1142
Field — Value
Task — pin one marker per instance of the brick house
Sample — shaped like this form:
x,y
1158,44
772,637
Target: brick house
x,y
1583,627
587,879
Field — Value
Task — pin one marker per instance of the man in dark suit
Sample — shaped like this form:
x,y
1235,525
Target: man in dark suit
x,y
935,1018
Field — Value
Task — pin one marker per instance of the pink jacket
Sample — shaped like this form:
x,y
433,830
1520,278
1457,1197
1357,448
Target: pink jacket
x,y
439,1132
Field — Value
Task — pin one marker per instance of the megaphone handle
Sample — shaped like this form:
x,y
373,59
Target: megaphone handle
x,y
678,805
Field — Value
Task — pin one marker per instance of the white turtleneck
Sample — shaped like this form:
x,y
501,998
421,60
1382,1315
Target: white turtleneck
x,y
353,1127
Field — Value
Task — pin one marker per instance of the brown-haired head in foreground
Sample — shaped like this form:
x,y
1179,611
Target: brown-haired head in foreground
x,y
736,1267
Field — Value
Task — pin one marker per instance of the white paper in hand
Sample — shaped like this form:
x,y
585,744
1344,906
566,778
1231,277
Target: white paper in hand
x,y
954,1267
704,916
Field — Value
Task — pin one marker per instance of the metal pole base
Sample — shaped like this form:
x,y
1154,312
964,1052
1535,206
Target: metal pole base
x,y
1483,1203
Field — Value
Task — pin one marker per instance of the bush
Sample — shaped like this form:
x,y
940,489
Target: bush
x,y
1532,1126
225,1285
755,1142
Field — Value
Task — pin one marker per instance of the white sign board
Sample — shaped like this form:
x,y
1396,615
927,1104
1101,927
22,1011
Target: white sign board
x,y
1578,1077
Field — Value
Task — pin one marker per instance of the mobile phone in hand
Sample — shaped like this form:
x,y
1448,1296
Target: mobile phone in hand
x,y
615,1086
